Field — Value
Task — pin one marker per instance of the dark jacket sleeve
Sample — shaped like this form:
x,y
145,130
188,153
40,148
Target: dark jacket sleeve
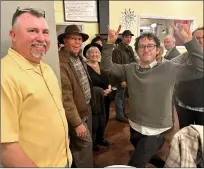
x,y
133,55
97,100
117,58
173,53
110,68
190,64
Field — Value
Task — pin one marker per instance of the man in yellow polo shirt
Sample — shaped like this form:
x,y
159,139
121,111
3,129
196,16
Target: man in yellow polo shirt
x,y
34,130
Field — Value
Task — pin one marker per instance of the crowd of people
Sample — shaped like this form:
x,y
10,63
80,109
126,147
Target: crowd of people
x,y
48,125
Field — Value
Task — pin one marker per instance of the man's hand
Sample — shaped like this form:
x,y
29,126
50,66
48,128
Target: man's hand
x,y
183,32
123,84
81,130
113,35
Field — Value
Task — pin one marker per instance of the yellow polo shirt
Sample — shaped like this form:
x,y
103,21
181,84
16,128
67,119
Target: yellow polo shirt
x,y
32,113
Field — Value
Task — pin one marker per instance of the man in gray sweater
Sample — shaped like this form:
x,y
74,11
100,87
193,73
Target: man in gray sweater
x,y
151,87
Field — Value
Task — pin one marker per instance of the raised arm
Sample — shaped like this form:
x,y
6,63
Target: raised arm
x,y
107,66
190,64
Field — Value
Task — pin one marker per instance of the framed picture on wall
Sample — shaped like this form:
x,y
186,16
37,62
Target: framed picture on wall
x,y
80,11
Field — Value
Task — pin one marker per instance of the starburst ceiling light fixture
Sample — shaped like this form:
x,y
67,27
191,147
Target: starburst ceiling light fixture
x,y
128,18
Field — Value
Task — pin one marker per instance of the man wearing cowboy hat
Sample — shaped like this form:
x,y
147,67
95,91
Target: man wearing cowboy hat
x,y
76,93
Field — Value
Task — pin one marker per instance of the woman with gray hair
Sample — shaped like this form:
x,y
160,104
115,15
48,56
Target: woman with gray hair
x,y
100,95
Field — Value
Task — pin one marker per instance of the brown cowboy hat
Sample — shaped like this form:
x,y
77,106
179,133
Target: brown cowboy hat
x,y
72,29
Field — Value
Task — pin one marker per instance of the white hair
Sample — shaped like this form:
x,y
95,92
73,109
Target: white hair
x,y
172,37
91,49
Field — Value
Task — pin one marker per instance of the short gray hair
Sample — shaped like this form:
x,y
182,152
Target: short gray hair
x,y
35,12
172,37
91,49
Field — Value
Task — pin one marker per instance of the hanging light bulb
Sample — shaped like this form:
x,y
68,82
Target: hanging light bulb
x,y
163,32
153,25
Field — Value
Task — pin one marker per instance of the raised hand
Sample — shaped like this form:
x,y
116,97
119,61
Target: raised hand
x,y
113,35
183,32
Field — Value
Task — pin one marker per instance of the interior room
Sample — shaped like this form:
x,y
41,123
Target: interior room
x,y
92,18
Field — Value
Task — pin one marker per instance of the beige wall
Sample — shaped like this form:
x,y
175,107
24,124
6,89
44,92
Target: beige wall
x,y
90,28
177,9
180,9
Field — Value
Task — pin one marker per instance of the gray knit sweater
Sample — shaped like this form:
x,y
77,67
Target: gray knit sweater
x,y
150,91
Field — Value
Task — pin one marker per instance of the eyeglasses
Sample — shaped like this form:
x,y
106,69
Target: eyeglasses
x,y
74,38
150,47
34,10
199,38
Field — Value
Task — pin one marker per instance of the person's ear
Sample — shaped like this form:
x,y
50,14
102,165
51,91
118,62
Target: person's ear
x,y
64,40
157,50
12,34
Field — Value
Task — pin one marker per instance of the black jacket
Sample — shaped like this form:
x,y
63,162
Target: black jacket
x,y
191,93
122,55
100,82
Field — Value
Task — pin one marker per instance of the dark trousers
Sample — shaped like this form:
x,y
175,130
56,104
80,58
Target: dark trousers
x,y
98,128
187,117
120,102
107,102
146,147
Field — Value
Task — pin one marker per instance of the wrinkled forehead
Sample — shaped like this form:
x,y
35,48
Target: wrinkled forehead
x,y
73,35
93,49
27,20
126,36
168,38
198,33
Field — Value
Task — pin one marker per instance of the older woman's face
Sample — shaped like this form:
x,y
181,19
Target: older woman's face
x,y
93,54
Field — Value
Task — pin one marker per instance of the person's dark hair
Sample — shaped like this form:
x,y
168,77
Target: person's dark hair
x,y
58,44
35,12
198,29
118,40
149,36
97,38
